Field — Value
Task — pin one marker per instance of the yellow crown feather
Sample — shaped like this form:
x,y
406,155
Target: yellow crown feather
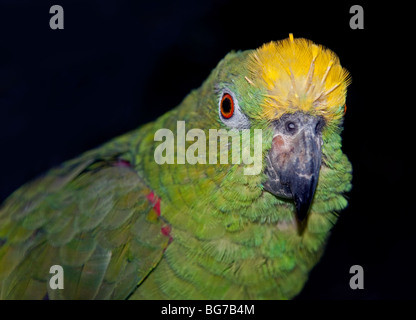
x,y
300,76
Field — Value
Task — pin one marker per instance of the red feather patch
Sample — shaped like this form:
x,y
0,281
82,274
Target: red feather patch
x,y
122,163
155,201
166,230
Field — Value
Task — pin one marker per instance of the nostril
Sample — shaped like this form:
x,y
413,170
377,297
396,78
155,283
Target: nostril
x,y
291,127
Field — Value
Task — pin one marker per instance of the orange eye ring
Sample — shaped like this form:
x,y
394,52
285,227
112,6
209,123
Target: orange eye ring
x,y
345,108
227,106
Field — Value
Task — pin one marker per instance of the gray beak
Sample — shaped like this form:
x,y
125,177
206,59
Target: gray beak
x,y
294,160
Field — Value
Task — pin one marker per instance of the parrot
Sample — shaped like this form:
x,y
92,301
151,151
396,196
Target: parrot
x,y
122,225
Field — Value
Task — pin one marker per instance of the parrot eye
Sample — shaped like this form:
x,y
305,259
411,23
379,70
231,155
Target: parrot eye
x,y
229,111
227,106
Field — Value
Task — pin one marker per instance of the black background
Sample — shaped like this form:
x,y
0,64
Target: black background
x,y
119,64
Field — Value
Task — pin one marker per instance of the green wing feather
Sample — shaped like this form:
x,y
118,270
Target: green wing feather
x,y
92,217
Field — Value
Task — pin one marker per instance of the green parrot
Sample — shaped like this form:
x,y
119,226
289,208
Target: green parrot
x,y
132,220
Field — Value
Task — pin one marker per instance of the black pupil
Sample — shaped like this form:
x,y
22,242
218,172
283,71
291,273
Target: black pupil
x,y
226,105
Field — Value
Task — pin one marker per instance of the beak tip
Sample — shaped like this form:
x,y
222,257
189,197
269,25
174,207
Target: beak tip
x,y
303,194
302,209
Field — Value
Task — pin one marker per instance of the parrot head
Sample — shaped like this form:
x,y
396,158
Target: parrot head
x,y
295,91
